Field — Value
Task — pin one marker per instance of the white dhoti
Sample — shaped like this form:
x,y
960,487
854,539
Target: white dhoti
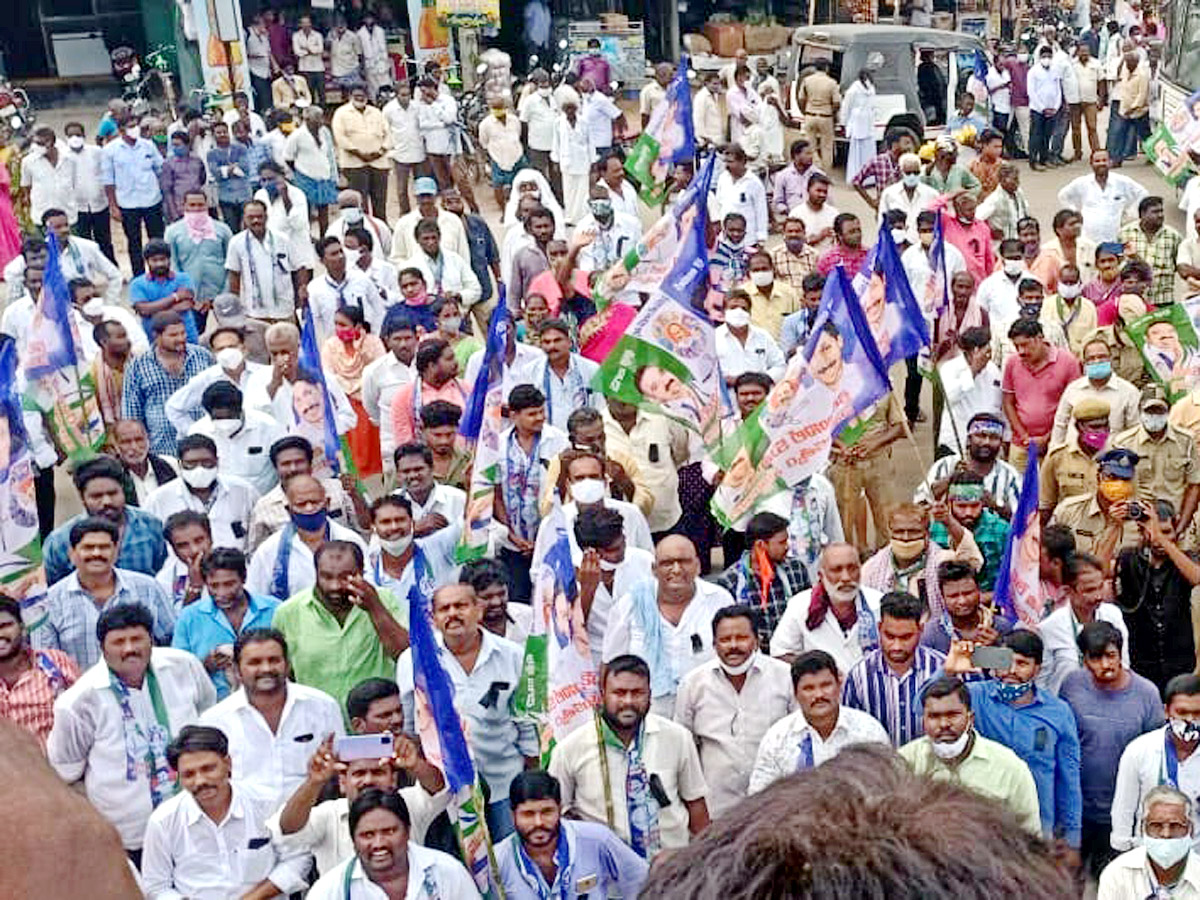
x,y
575,197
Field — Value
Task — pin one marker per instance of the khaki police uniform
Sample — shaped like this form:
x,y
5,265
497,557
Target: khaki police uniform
x,y
819,101
1066,472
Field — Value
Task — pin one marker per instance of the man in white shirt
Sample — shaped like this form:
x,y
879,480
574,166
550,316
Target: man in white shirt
x,y
377,64
743,347
264,269
606,568
589,487
536,109
997,293
380,827
817,731
228,345
606,233
49,178
94,222
308,46
226,499
212,839
564,377
741,191
351,216
1085,590
278,569
841,621
323,828
446,273
386,375
1105,199
112,727
437,115
450,226
574,153
359,247
706,112
668,620
817,214
434,506
81,258
341,286
730,703
345,55
273,724
633,739
522,364
908,194
243,437
1166,862
287,211
1165,755
598,113
407,145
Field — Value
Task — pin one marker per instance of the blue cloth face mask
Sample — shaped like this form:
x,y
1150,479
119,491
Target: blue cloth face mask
x,y
1098,370
313,521
1010,693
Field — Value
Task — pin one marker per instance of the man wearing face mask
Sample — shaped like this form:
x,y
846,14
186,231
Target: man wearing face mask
x,y
351,216
612,233
1153,587
394,536
1168,463
226,499
129,173
1166,861
199,245
998,292
1164,756
908,194
1070,468
741,685
537,111
1071,311
772,297
605,567
360,134
93,221
952,750
1098,382
243,435
585,485
228,345
1102,521
1039,728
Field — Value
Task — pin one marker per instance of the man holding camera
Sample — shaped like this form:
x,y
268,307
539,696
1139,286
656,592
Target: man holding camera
x,y
1168,467
1153,587
1105,520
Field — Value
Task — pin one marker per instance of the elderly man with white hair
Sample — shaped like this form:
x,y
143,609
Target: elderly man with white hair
x,y
1165,865
351,215
908,194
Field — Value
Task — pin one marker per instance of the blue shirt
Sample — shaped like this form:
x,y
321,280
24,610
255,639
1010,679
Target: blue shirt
x,y
1043,734
796,328
132,169
202,627
596,860
143,548
894,700
147,388
145,289
230,188
257,153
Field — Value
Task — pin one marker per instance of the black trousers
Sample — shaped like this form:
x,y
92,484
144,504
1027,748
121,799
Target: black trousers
x,y
43,490
316,86
372,184
97,226
262,93
518,574
912,390
132,221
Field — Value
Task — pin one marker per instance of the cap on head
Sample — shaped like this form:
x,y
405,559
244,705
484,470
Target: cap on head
x,y
1091,408
425,187
1117,463
1154,395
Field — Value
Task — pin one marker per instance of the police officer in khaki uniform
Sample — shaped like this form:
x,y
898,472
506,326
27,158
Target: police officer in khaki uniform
x,y
819,102
1069,469
1101,521
865,467
1169,468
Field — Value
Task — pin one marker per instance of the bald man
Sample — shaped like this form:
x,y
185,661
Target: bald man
x,y
682,636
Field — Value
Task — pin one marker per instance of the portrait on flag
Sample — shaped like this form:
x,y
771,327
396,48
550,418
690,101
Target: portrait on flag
x,y
1018,593
1169,345
896,319
668,140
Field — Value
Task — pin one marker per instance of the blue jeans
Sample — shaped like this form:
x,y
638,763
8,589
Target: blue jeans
x,y
500,820
1058,135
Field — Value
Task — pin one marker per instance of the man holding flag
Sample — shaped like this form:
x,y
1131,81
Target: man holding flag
x,y
668,140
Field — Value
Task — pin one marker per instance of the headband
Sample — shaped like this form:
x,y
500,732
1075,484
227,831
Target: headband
x,y
967,492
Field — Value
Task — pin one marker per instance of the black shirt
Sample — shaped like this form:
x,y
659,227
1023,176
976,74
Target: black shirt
x,y
1156,603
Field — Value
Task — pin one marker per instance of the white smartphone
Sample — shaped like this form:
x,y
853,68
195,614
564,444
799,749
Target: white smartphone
x,y
363,746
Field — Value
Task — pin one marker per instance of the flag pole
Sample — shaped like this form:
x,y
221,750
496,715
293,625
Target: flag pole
x,y
908,431
936,378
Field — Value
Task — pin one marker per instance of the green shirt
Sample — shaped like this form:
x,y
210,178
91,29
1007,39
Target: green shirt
x,y
991,537
958,177
333,657
991,769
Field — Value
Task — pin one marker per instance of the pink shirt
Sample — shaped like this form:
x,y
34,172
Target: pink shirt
x,y
974,241
406,408
1037,393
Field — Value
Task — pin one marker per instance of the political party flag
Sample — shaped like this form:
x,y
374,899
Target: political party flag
x,y
312,407
56,385
21,573
837,375
481,426
1168,343
1018,583
887,300
559,684
669,139
440,729
672,255
667,362
937,290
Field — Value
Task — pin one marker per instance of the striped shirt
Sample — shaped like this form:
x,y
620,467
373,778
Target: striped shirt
x,y
894,700
1003,482
30,702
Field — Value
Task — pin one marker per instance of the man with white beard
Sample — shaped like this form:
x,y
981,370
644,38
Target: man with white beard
x,y
838,615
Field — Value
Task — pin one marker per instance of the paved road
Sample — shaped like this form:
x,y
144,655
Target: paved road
x,y
1041,189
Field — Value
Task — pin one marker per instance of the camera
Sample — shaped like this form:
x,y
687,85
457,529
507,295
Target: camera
x,y
1137,512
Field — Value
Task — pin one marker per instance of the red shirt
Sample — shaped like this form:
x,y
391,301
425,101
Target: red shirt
x,y
1037,392
839,255
30,702
974,241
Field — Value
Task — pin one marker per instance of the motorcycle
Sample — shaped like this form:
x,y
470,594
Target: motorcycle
x,y
15,109
138,85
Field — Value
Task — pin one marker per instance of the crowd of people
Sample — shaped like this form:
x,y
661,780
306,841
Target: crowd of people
x,y
233,601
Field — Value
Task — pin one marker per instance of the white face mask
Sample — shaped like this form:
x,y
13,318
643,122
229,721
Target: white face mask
x,y
450,324
396,546
1045,63
94,308
606,566
352,257
954,749
1167,851
899,235
543,92
75,141
737,318
230,358
1013,267
1069,291
743,668
1154,422
133,132
911,179
762,279
587,491
227,427
199,477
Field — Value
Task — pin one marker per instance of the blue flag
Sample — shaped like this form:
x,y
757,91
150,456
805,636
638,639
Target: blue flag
x,y
51,345
10,398
691,259
668,140
887,300
481,426
323,436
980,69
1018,593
